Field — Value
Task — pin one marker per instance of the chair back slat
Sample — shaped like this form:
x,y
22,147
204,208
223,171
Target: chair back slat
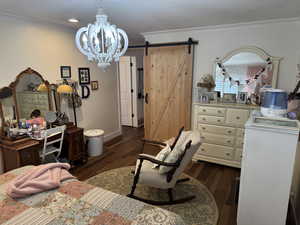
x,y
177,138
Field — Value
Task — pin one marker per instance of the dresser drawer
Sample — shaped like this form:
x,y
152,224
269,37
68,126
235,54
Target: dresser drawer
x,y
237,116
240,132
221,152
211,111
239,142
238,155
217,139
216,129
211,119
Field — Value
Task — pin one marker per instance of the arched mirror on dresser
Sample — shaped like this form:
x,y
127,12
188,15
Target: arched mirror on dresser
x,y
245,69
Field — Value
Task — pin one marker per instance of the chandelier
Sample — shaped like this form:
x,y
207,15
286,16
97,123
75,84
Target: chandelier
x,y
102,41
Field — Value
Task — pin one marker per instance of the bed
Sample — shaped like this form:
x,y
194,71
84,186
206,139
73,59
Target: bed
x,y
78,203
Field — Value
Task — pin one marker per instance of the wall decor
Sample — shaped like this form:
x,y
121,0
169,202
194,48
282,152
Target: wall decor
x,y
65,72
84,76
85,91
94,85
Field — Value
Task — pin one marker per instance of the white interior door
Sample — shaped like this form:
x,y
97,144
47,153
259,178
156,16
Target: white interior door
x,y
126,91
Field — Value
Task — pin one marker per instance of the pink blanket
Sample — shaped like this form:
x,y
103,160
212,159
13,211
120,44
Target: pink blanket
x,y
40,178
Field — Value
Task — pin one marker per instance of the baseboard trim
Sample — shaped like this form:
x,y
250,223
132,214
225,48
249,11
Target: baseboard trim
x,y
112,135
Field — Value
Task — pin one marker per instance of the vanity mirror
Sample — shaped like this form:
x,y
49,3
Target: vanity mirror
x,y
31,92
245,69
8,106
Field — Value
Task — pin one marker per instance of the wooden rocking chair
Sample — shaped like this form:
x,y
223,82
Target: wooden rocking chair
x,y
145,174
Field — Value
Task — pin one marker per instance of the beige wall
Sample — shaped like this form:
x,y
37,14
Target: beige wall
x,y
45,47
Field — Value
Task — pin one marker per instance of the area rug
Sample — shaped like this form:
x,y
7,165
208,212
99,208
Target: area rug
x,y
202,210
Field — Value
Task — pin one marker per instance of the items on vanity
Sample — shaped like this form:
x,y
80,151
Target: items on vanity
x,y
270,148
222,130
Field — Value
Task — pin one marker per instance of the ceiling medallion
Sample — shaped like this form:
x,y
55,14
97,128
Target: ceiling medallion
x,y
102,41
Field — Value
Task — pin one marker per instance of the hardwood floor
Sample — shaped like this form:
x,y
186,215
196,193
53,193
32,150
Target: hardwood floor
x,y
218,179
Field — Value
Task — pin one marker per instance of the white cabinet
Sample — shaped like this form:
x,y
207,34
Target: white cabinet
x,y
267,170
222,131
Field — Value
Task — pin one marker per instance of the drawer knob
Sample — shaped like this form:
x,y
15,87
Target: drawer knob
x,y
202,149
229,132
203,128
219,121
238,117
203,119
219,111
228,154
203,110
228,141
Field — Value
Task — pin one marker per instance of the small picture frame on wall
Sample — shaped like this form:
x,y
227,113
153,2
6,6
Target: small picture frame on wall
x,y
84,75
94,85
65,72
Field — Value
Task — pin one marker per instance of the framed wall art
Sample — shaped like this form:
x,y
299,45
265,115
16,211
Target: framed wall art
x,y
65,72
94,85
84,76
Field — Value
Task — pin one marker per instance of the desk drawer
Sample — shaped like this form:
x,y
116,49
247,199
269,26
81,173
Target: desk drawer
x,y
216,129
211,119
216,151
237,116
217,139
211,111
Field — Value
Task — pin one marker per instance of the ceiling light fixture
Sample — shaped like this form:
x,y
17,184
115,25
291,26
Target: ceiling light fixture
x,y
73,20
102,41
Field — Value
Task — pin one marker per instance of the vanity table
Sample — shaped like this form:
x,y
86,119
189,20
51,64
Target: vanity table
x,y
17,101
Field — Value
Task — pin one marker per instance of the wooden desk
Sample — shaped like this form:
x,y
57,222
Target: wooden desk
x,y
25,151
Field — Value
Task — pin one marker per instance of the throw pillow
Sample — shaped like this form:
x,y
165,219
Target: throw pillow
x,y
176,152
162,155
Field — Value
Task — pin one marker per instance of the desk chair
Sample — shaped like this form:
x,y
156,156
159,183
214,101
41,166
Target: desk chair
x,y
49,147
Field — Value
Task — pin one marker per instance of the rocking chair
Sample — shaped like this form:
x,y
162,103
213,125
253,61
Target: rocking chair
x,y
188,142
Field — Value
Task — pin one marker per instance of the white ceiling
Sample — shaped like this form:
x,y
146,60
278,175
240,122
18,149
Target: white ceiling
x,y
137,16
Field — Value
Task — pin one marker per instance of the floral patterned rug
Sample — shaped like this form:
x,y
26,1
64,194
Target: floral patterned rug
x,y
202,210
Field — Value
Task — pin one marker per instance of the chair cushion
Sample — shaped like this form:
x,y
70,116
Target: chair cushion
x,y
176,152
162,155
152,177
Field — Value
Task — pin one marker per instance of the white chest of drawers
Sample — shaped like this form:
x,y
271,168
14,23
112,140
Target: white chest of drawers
x,y
222,131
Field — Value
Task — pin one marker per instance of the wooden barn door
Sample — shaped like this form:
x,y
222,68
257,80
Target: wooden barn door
x,y
168,91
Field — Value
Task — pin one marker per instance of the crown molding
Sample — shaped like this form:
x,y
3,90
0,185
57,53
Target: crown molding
x,y
224,26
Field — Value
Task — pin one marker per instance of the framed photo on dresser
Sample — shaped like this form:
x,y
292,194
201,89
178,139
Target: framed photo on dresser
x,y
84,75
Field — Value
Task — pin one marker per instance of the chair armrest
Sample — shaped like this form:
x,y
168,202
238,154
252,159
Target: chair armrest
x,y
153,142
154,160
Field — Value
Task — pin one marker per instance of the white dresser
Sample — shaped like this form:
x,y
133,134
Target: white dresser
x,y
222,130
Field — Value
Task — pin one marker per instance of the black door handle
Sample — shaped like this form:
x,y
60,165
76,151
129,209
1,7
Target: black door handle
x,y
146,98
